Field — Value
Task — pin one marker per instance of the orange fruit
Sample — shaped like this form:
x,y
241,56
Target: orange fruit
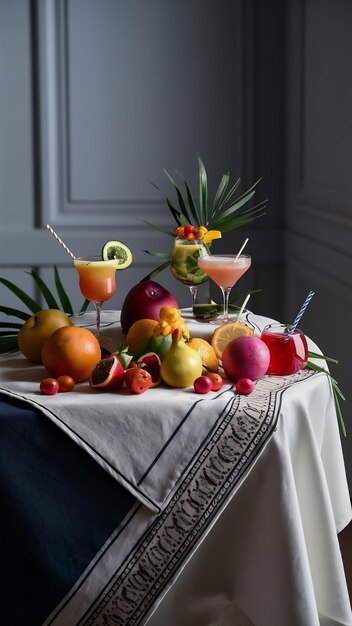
x,y
66,383
139,335
71,351
206,352
225,333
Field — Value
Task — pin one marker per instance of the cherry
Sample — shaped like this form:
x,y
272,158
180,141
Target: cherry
x,y
244,386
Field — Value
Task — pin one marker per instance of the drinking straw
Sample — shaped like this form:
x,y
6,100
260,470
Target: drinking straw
x,y
243,307
299,315
54,234
242,248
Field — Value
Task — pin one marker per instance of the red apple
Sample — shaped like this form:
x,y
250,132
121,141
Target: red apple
x,y
145,300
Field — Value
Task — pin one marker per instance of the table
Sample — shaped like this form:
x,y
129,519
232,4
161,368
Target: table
x,y
266,554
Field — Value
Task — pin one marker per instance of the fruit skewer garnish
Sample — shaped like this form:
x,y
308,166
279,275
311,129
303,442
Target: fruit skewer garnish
x,y
191,233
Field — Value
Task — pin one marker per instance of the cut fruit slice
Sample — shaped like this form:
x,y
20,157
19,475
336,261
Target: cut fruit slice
x,y
151,363
107,374
226,333
210,235
119,252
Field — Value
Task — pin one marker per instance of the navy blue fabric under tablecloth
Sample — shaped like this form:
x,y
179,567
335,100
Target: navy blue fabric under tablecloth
x,y
58,508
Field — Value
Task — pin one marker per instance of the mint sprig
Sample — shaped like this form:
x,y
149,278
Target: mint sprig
x,y
334,384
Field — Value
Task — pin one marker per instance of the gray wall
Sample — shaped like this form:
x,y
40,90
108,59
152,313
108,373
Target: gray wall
x,y
318,203
96,98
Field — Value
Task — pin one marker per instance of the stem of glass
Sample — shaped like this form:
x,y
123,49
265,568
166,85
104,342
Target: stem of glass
x,y
193,291
98,307
226,294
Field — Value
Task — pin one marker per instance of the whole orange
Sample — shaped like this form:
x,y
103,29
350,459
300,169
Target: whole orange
x,y
71,351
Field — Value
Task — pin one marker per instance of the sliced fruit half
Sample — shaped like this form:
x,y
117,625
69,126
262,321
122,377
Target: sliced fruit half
x,y
119,252
151,363
108,374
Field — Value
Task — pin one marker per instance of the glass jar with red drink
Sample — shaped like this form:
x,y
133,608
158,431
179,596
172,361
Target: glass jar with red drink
x,y
288,353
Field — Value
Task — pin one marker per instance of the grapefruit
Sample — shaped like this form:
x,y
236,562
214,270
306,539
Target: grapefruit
x,y
71,351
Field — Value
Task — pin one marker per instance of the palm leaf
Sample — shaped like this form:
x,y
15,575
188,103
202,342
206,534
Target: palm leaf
x,y
161,229
10,325
162,255
229,195
15,312
203,191
235,221
219,196
243,294
181,201
27,300
156,271
84,306
64,299
192,206
8,344
175,213
48,296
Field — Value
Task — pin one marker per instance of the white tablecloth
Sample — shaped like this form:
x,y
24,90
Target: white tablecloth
x,y
270,556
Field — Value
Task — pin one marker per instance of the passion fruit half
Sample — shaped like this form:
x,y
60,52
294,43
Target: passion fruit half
x,y
119,252
107,375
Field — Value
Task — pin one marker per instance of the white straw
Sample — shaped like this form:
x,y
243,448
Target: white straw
x,y
54,234
242,248
243,307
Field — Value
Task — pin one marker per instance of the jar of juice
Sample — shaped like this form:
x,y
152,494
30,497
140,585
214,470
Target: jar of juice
x,y
288,354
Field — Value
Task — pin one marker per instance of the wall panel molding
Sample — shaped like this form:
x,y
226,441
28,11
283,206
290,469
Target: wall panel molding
x,y
314,198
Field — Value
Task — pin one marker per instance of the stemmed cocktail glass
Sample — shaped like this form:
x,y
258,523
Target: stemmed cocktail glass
x,y
225,270
97,281
183,264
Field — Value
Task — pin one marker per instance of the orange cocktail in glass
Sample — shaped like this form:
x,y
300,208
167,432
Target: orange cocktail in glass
x,y
97,281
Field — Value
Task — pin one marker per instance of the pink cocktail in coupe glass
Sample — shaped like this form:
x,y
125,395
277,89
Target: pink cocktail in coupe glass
x,y
287,355
97,281
225,270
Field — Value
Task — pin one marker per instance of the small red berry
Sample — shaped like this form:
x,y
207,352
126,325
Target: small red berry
x,y
49,386
244,386
202,384
189,229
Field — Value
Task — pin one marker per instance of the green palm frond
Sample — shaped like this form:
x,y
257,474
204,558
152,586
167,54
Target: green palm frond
x,y
9,336
225,212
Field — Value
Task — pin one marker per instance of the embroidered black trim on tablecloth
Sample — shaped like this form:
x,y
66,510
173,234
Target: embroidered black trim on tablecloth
x,y
207,487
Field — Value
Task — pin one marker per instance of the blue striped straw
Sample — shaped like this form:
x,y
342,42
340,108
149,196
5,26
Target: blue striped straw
x,y
298,317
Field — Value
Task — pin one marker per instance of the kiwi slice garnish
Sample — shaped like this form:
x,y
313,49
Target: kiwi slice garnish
x,y
119,252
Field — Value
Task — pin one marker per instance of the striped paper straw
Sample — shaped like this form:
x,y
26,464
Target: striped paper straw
x,y
54,234
299,315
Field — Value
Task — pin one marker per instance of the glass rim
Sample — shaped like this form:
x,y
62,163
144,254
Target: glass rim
x,y
95,258
275,327
189,242
230,256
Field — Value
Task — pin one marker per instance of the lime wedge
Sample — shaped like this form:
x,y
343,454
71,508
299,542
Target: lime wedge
x,y
119,252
